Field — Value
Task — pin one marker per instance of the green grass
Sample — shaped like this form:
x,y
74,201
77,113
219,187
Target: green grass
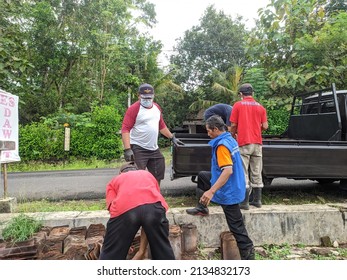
x,y
63,205
75,164
89,205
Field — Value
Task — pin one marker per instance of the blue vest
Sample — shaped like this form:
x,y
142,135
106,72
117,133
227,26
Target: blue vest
x,y
234,190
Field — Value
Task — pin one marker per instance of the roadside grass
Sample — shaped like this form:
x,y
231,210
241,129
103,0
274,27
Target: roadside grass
x,y
293,197
88,205
299,251
75,164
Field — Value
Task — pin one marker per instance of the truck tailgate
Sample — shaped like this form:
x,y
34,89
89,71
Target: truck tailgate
x,y
191,158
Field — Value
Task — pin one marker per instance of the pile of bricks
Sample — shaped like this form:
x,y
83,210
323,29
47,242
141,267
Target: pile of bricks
x,y
82,243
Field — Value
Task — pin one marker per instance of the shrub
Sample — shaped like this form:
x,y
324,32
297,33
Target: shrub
x,y
38,141
94,135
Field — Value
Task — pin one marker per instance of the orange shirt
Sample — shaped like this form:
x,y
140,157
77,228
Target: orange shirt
x,y
224,157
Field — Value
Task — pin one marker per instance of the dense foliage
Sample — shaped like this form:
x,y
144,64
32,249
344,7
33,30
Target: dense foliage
x,y
96,135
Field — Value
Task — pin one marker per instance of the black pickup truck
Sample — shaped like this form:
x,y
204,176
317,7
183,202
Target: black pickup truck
x,y
314,146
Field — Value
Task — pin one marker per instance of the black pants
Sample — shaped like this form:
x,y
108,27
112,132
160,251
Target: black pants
x,y
120,233
154,161
232,214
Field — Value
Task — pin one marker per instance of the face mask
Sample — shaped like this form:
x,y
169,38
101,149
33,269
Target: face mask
x,y
147,103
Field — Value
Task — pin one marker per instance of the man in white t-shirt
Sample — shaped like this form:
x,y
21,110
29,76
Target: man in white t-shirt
x,y
141,125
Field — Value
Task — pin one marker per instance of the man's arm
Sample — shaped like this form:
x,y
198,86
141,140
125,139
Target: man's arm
x,y
141,253
233,129
264,126
223,178
166,132
126,140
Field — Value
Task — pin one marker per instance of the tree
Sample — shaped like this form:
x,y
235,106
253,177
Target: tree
x,y
224,88
216,43
277,45
66,55
13,58
335,6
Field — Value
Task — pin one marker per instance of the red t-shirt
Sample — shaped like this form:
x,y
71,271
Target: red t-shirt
x,y
248,115
131,189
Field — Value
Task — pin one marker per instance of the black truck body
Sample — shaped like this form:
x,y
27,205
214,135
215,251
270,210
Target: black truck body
x,y
314,146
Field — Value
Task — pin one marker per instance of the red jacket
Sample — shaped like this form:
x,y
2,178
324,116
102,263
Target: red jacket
x,y
131,189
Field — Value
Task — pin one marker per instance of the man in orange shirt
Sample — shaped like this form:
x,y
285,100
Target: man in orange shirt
x,y
248,120
133,199
224,184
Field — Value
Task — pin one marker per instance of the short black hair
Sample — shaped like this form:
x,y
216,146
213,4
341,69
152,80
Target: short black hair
x,y
216,121
128,167
246,89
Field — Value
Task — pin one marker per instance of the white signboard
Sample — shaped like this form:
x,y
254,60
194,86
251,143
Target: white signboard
x,y
9,125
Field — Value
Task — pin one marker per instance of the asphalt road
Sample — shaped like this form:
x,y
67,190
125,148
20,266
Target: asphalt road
x,y
77,184
91,184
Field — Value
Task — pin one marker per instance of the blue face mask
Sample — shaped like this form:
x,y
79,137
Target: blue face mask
x,y
147,103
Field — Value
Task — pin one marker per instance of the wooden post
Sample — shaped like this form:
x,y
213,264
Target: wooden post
x,y
5,180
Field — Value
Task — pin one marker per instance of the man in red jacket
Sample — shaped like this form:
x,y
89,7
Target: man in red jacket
x,y
133,199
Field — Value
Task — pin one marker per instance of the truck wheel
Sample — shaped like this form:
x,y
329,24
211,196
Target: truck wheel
x,y
267,181
343,184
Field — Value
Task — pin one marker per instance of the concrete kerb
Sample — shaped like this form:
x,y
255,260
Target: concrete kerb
x,y
271,224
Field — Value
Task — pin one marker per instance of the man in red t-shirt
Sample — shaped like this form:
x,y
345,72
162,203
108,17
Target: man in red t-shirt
x,y
133,199
248,120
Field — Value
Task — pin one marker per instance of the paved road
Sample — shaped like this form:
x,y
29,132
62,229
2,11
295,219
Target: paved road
x,y
77,184
91,183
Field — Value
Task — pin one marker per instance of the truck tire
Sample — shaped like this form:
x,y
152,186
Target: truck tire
x,y
267,181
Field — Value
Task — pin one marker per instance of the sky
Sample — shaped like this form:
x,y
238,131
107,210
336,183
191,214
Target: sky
x,y
176,16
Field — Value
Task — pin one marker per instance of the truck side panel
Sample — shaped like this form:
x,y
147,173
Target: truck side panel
x,y
281,158
304,160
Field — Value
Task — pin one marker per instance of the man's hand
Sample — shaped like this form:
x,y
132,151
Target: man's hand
x,y
206,197
128,155
176,141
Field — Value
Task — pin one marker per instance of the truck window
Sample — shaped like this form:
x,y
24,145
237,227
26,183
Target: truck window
x,y
328,107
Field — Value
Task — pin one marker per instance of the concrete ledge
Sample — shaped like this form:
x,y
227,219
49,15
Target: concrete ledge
x,y
8,205
277,224
271,224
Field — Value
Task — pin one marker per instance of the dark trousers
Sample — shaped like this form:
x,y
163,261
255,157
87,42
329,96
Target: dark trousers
x,y
120,233
154,161
232,214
